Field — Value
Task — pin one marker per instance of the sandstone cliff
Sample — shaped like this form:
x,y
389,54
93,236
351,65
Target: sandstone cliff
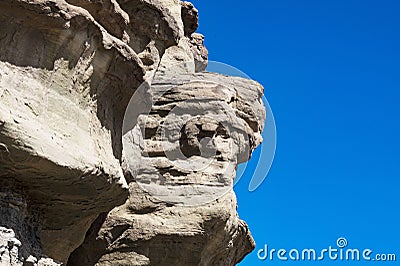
x,y
116,147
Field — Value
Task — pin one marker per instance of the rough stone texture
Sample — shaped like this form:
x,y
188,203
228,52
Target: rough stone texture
x,y
64,81
190,18
154,228
9,246
10,252
72,181
199,51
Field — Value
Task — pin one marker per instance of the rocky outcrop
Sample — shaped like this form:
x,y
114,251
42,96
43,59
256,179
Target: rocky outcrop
x,y
116,148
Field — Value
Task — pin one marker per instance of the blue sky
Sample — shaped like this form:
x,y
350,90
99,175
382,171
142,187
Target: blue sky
x,y
331,72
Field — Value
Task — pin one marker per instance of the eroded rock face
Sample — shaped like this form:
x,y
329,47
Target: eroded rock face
x,y
85,182
181,209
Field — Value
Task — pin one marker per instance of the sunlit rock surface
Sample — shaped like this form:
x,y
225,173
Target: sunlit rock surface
x,y
116,148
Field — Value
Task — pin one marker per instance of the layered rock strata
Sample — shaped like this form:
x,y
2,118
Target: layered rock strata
x,y
116,147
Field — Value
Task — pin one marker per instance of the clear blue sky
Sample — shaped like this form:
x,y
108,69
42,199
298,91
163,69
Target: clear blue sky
x,y
331,72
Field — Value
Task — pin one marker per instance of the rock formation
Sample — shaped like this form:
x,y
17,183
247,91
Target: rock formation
x,y
116,146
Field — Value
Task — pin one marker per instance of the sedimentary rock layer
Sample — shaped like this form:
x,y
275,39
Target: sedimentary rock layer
x,y
83,182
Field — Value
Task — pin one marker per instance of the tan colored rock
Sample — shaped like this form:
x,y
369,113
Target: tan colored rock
x,y
108,14
190,18
182,209
199,51
82,186
62,76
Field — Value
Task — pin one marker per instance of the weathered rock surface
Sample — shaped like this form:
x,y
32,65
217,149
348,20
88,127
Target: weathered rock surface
x,y
10,253
84,181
